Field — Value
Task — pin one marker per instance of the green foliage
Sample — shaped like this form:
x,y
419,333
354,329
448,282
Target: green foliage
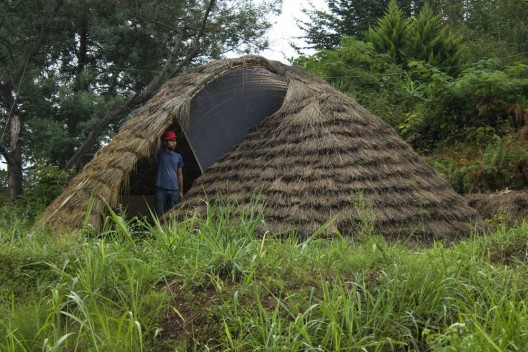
x,y
455,171
56,134
495,28
497,164
349,18
492,27
502,166
350,68
431,41
493,92
484,97
44,183
391,34
423,37
411,126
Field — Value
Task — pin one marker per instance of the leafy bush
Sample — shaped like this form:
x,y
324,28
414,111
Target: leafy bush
x,y
485,95
43,184
454,172
501,163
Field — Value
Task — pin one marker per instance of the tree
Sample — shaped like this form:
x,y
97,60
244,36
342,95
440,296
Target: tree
x,y
350,18
74,70
22,39
391,34
431,41
495,28
424,37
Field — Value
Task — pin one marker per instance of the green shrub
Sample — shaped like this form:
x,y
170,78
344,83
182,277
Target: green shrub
x,y
503,165
42,185
484,167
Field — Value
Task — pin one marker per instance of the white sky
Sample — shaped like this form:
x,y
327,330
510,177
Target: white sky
x,y
284,31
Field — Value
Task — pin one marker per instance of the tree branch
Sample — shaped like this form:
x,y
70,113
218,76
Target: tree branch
x,y
196,42
147,93
6,88
17,76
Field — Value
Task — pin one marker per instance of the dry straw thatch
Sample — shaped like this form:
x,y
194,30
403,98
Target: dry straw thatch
x,y
320,155
509,206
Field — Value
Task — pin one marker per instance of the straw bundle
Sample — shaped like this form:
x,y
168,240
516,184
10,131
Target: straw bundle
x,y
508,206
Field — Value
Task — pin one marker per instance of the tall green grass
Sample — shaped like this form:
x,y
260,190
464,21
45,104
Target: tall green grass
x,y
219,283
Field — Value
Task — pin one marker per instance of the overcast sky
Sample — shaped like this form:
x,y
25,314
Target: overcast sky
x,y
285,29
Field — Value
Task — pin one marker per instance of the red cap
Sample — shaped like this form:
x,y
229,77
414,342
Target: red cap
x,y
169,135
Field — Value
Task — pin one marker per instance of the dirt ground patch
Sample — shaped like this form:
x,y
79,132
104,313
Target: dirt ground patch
x,y
188,311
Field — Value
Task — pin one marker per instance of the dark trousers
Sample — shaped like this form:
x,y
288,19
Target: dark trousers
x,y
165,199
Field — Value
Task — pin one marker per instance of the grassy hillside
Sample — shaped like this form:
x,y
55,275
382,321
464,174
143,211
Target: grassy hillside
x,y
214,284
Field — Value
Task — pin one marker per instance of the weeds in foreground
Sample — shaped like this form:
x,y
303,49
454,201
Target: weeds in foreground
x,y
216,284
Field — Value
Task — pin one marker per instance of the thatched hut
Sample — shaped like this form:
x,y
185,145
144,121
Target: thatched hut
x,y
250,125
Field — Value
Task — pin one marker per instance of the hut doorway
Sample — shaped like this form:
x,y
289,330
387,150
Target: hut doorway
x,y
137,198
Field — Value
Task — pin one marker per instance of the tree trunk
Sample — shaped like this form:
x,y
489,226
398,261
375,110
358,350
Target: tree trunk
x,y
9,86
14,158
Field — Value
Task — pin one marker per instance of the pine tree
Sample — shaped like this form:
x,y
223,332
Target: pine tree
x,y
351,18
391,33
345,18
431,41
422,38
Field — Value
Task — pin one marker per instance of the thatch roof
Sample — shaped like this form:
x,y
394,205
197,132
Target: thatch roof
x,y
321,154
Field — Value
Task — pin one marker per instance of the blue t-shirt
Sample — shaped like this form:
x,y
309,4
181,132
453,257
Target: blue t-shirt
x,y
167,169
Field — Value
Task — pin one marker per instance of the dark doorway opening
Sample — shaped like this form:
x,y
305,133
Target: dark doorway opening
x,y
137,198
